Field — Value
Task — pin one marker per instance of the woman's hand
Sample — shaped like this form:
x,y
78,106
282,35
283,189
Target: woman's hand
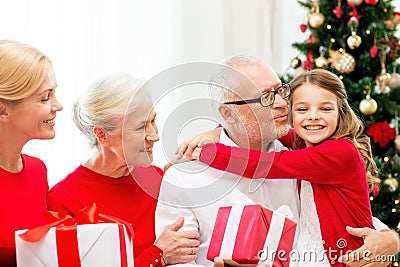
x,y
178,247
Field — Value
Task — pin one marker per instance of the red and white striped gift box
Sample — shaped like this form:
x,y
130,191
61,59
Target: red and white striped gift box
x,y
252,234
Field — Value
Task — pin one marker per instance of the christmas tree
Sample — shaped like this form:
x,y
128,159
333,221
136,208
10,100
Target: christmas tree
x,y
355,39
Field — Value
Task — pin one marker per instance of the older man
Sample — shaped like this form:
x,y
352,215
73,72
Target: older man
x,y
194,191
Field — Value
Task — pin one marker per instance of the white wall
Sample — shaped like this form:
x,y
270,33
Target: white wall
x,y
89,38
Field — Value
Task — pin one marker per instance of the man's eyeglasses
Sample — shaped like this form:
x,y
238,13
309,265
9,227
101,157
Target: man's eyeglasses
x,y
268,98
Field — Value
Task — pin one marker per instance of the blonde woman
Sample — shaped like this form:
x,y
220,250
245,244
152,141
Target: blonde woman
x,y
28,108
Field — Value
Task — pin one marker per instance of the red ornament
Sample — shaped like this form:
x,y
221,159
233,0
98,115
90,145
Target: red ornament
x,y
375,190
354,13
303,27
381,133
338,12
308,63
312,39
371,2
373,51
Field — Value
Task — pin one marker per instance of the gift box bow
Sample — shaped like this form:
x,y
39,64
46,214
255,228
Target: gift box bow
x,y
83,240
87,215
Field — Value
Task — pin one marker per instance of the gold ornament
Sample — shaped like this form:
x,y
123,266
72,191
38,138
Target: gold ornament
x,y
295,62
353,41
393,21
391,183
394,81
355,2
321,62
342,61
316,19
382,80
397,142
368,106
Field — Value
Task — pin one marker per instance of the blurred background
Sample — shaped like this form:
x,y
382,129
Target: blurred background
x,y
87,39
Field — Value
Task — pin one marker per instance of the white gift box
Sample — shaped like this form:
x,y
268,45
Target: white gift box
x,y
102,244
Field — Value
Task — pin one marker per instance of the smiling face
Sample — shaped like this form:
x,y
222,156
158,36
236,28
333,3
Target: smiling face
x,y
140,132
34,117
314,113
261,124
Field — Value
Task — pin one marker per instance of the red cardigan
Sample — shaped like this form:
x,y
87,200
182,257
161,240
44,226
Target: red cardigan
x,y
335,169
131,199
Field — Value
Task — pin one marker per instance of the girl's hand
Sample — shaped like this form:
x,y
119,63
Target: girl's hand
x,y
190,148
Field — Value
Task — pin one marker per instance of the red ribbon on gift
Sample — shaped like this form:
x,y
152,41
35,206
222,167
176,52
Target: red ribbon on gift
x,y
66,233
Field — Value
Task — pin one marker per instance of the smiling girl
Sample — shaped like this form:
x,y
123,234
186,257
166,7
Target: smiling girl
x,y
28,108
335,166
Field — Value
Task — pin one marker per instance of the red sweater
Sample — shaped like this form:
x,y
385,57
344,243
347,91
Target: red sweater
x,y
23,198
336,171
125,198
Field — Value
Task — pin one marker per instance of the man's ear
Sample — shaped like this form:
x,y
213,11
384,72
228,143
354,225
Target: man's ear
x,y
3,113
227,113
101,135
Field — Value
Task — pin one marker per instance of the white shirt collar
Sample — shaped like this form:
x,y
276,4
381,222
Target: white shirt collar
x,y
273,146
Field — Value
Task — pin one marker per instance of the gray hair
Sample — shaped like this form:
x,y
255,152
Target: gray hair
x,y
224,83
105,104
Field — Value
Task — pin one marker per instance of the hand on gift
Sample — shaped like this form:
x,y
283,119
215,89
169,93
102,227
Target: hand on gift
x,y
178,247
219,262
377,245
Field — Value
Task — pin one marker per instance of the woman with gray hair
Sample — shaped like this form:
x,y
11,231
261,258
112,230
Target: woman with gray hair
x,y
119,120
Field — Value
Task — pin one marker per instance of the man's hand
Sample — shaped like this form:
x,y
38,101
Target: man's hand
x,y
378,249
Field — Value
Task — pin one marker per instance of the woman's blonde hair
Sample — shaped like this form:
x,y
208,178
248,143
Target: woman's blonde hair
x,y
105,104
349,125
23,69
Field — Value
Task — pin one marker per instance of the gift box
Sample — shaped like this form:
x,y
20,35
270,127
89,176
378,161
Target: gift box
x,y
252,234
66,243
